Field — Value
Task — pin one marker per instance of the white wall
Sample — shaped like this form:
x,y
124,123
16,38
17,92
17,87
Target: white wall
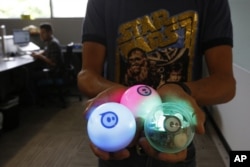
x,y
240,17
233,118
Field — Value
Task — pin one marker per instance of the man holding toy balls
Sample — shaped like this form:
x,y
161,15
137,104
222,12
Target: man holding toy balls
x,y
124,45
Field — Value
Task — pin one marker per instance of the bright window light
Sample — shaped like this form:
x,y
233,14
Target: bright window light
x,y
11,9
15,8
69,8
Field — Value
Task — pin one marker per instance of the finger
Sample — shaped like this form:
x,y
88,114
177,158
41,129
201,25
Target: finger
x,y
149,150
198,116
120,155
200,119
112,94
99,153
168,157
115,93
91,104
87,108
173,157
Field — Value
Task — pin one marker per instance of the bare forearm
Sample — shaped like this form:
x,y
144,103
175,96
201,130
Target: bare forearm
x,y
91,83
90,80
213,89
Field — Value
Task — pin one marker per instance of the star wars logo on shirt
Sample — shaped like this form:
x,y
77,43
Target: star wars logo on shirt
x,y
156,48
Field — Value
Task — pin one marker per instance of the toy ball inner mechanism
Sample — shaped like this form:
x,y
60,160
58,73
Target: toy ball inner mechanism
x,y
172,124
169,127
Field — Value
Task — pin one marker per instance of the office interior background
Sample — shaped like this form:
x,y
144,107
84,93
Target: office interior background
x,y
231,119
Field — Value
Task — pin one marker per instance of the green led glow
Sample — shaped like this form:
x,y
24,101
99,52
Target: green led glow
x,y
146,105
170,127
184,106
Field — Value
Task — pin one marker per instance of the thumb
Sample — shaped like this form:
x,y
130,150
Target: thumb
x,y
200,120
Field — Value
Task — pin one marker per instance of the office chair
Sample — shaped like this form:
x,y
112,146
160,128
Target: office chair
x,y
51,85
71,71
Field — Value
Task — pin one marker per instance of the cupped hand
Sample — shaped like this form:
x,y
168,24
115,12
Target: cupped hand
x,y
173,93
121,154
118,155
112,94
167,157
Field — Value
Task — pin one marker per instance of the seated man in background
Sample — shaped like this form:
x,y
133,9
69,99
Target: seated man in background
x,y
51,57
48,64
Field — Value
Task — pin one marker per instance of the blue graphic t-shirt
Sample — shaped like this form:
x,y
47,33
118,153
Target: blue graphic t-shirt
x,y
154,42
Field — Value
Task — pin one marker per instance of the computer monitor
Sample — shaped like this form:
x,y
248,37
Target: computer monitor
x,y
21,37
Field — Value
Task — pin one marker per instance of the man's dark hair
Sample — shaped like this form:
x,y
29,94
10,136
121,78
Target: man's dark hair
x,y
47,27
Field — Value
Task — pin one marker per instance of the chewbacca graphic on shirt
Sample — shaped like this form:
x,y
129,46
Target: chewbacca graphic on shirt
x,y
156,48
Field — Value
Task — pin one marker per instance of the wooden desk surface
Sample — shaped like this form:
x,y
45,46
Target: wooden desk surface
x,y
16,62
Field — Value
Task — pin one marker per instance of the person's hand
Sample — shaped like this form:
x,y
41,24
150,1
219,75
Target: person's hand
x,y
174,93
121,154
168,93
112,94
35,55
167,157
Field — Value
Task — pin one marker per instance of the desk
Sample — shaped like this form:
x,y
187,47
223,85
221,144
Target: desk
x,y
17,62
12,75
13,80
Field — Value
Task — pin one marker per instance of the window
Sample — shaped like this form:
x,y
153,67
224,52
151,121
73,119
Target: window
x,y
69,8
15,8
42,8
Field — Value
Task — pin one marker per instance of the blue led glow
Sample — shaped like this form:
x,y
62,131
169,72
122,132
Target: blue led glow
x,y
111,126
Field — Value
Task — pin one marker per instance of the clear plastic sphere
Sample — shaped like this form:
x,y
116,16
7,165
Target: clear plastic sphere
x,y
170,127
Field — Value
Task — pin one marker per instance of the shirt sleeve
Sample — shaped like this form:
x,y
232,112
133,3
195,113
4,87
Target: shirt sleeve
x,y
93,28
217,24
